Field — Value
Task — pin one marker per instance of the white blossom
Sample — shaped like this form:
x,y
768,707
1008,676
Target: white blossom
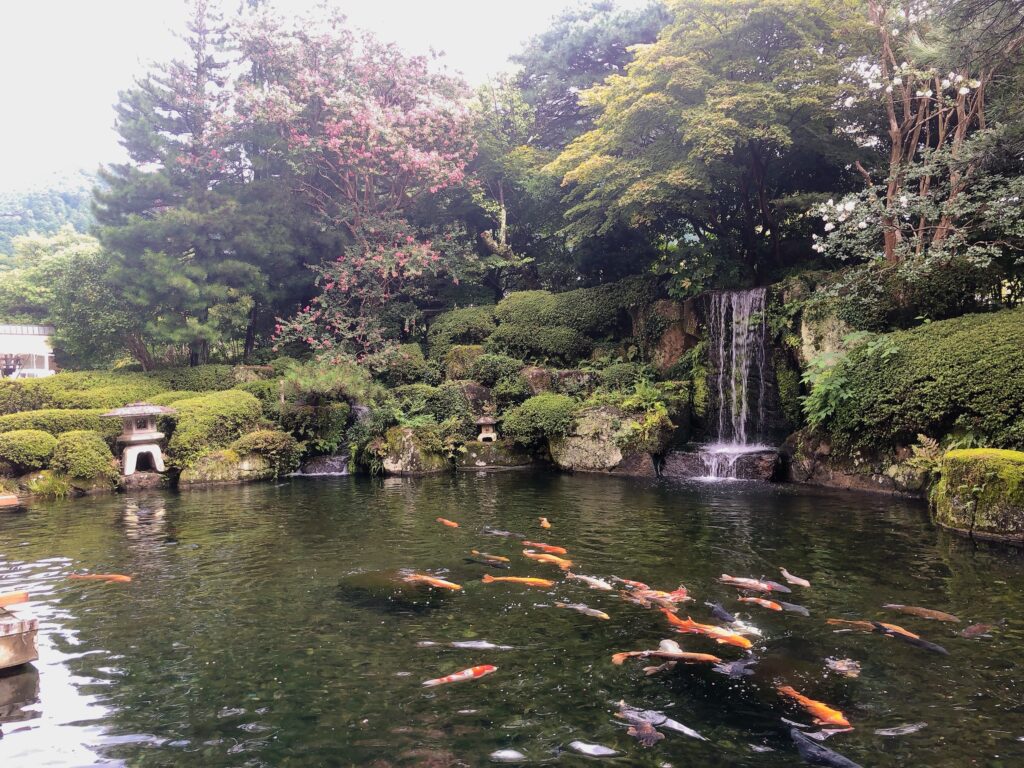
x,y
862,225
875,86
964,90
974,83
888,89
850,205
945,82
829,226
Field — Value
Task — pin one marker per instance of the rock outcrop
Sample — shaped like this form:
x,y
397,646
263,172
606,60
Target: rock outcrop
x,y
491,456
608,440
981,493
404,454
226,467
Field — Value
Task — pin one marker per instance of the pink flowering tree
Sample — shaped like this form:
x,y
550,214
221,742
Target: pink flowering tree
x,y
368,134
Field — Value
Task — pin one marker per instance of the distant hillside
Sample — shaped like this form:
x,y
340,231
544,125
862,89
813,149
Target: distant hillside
x,y
46,208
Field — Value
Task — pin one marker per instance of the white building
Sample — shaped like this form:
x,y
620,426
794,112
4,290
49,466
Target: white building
x,y
25,351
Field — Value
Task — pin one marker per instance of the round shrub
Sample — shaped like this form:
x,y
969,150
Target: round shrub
x,y
321,427
470,325
449,401
168,398
403,364
529,308
55,421
20,395
279,448
539,418
199,378
961,377
622,375
460,359
26,450
489,369
510,390
268,392
555,343
210,422
84,455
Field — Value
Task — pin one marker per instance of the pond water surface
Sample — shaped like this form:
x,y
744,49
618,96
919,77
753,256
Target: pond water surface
x,y
257,629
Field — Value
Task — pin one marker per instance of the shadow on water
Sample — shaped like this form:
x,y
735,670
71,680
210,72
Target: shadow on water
x,y
268,625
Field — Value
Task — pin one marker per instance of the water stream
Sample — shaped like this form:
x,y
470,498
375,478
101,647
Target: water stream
x,y
265,626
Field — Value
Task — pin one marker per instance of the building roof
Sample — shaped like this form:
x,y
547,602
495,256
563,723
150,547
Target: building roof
x,y
138,409
26,330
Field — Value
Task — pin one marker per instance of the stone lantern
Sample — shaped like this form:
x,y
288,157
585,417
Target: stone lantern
x,y
487,432
139,436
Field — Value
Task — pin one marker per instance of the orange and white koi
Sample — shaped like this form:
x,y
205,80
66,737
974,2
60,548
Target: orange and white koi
x,y
543,522
771,605
630,583
473,673
115,577
561,562
669,650
590,581
449,523
13,598
718,634
488,556
754,584
432,581
790,578
822,713
549,548
527,581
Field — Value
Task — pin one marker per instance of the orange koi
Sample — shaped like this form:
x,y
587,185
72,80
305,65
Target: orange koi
x,y
543,522
822,713
13,598
561,562
473,673
630,584
550,549
449,523
719,634
120,578
684,656
528,581
488,556
865,625
433,581
873,626
769,604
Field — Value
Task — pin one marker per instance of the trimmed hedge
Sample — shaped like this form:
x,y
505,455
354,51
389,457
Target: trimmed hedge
x,y
200,378
84,455
541,417
169,398
56,421
404,364
460,361
210,422
279,448
268,392
961,377
554,343
490,369
26,450
470,325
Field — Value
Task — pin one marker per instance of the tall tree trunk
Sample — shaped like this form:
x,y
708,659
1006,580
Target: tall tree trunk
x,y
250,333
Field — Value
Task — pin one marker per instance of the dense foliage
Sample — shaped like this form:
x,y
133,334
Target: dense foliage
x,y
84,455
23,450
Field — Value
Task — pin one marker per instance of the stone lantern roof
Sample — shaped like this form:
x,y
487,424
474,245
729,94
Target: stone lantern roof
x,y
486,420
138,409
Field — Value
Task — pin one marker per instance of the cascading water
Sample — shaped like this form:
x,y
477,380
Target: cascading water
x,y
737,343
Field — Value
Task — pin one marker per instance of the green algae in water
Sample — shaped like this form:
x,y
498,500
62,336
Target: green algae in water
x,y
267,625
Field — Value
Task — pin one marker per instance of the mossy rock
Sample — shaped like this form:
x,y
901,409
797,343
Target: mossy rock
x,y
403,453
227,467
279,449
460,359
538,379
981,493
492,456
604,440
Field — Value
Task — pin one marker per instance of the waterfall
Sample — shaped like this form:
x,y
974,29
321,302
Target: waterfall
x,y
737,345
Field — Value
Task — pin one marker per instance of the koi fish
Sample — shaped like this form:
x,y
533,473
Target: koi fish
x,y
719,634
483,561
473,673
13,598
720,613
791,579
923,613
656,719
844,667
816,754
561,562
431,581
977,630
543,522
449,523
489,556
865,625
630,584
892,630
584,609
822,713
684,656
769,604
590,581
116,577
645,733
753,584
794,608
525,580
471,645
499,532
549,548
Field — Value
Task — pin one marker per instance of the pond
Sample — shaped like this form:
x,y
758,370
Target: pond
x,y
266,625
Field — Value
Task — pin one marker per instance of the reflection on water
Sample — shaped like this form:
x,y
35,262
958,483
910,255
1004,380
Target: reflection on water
x,y
268,625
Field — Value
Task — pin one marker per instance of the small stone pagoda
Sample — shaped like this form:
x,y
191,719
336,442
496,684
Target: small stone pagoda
x,y
488,434
140,436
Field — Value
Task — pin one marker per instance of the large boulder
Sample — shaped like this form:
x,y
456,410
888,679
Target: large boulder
x,y
681,332
404,453
608,440
492,456
538,379
809,457
753,465
981,493
226,467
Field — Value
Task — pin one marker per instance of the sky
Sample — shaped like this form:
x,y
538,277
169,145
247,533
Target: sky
x,y
64,61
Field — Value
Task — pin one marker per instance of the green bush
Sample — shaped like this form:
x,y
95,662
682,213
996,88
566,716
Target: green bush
x,y
318,382
541,417
279,448
49,485
962,378
169,398
489,369
449,401
209,422
460,360
403,364
593,311
321,427
55,421
470,325
623,375
26,450
84,455
268,392
510,390
80,389
20,395
199,378
554,343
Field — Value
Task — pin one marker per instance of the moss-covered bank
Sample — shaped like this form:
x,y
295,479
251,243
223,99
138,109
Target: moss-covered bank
x,y
980,492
